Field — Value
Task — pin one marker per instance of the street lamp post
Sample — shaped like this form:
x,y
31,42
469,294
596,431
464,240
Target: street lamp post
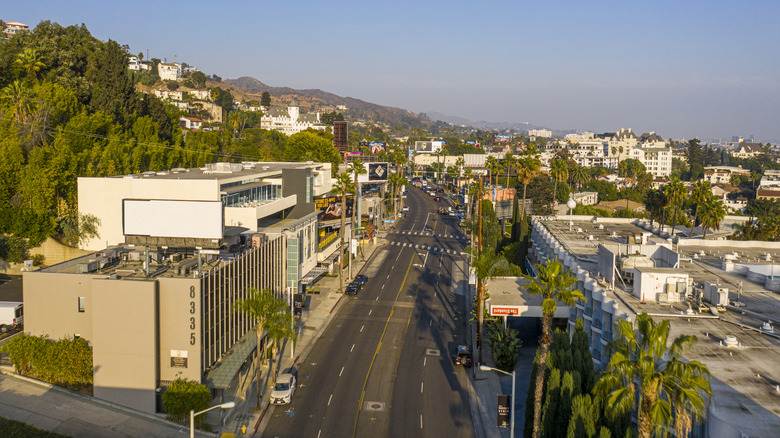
x,y
571,203
193,414
512,412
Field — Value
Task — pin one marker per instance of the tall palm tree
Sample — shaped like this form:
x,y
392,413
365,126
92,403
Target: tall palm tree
x,y
712,213
487,264
441,153
510,161
701,191
262,305
754,176
560,172
396,182
343,186
493,166
655,201
644,370
459,164
18,94
554,283
579,176
676,193
356,168
528,167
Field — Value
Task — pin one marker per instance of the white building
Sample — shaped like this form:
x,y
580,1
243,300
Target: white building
x,y
136,64
657,160
13,27
190,122
169,71
544,133
290,120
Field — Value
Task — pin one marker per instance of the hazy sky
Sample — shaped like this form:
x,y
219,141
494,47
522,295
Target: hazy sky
x,y
680,68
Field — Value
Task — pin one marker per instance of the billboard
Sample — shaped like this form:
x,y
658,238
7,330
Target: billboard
x,y
375,172
166,218
330,207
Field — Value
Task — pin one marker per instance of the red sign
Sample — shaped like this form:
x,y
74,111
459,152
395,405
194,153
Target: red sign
x,y
504,311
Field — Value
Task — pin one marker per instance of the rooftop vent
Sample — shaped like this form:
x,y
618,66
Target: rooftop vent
x,y
768,257
130,176
767,328
150,173
731,341
178,170
163,173
601,226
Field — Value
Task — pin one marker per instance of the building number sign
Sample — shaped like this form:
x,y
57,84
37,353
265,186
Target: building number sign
x,y
192,317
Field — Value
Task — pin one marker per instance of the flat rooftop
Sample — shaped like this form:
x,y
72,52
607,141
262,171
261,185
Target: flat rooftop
x,y
746,377
220,171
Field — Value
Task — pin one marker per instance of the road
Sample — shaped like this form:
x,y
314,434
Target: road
x,y
383,367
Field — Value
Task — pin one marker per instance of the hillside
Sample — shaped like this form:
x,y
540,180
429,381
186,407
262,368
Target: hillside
x,y
318,100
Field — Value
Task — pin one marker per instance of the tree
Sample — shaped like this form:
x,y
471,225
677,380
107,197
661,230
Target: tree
x,y
342,186
223,98
308,146
265,99
184,396
356,168
261,305
701,191
29,64
676,193
280,326
77,228
560,172
504,343
397,181
494,167
578,176
712,213
631,168
509,162
694,153
198,78
112,88
19,95
528,166
644,370
554,284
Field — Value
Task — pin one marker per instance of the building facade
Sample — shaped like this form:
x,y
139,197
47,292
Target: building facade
x,y
290,120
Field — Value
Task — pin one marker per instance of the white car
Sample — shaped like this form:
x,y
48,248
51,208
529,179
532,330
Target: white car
x,y
405,209
284,389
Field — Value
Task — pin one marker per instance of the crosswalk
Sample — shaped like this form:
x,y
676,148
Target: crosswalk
x,y
424,247
429,234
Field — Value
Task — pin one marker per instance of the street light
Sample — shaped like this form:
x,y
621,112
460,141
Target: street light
x,y
571,203
512,412
193,414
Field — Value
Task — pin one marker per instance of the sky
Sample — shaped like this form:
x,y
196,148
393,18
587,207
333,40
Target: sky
x,y
683,69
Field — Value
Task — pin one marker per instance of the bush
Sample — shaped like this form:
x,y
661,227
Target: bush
x,y
12,428
182,397
38,259
66,362
13,249
505,344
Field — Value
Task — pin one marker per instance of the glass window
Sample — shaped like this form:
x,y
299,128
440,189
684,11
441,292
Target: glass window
x,y
82,304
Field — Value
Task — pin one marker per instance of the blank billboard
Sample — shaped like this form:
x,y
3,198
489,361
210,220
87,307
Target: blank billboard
x,y
375,172
162,218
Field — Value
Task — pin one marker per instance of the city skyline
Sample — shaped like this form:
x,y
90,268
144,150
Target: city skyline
x,y
682,70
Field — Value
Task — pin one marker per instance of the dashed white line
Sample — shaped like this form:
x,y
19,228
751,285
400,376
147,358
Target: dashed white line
x,y
421,421
369,312
425,361
319,433
329,399
421,387
353,347
342,370
361,329
377,299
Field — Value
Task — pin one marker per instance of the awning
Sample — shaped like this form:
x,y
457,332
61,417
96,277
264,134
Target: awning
x,y
224,371
314,274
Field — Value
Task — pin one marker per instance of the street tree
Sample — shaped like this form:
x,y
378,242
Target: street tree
x,y
343,186
356,168
280,326
554,283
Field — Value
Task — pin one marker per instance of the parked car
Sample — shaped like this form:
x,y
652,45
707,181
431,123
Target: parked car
x,y
352,289
284,388
437,199
360,279
11,315
405,209
463,356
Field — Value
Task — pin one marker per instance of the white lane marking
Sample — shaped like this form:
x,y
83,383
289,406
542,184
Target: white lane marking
x,y
353,347
383,287
329,399
425,361
377,299
342,370
396,258
361,329
369,312
421,421
318,433
421,387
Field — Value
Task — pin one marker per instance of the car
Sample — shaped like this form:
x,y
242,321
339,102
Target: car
x,y
405,209
463,356
352,289
360,279
437,199
284,388
442,210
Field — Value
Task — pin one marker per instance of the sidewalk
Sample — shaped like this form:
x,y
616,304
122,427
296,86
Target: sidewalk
x,y
316,315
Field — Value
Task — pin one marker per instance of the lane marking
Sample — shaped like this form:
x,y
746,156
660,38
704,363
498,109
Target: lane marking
x,y
421,421
425,361
342,370
361,329
422,385
376,352
329,399
369,312
353,347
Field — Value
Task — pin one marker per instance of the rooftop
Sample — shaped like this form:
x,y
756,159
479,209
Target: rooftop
x,y
219,171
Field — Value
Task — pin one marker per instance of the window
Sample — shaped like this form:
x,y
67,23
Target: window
x,y
82,304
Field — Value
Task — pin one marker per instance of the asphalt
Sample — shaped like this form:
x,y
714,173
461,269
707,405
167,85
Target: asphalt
x,y
70,413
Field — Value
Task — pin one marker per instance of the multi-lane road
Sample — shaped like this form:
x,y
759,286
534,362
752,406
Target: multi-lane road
x,y
383,367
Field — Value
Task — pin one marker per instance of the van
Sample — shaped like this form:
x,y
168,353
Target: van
x,y
11,315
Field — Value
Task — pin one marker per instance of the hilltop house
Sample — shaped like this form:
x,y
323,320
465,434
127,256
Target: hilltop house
x,y
289,120
747,150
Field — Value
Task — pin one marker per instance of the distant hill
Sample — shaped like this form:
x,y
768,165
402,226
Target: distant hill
x,y
316,100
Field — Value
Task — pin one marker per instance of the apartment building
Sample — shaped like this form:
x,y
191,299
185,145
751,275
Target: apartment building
x,y
289,120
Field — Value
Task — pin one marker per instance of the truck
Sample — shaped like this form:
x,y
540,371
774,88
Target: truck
x,y
11,316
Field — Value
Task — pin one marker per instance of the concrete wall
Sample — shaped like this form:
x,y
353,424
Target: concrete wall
x,y
124,344
51,304
102,197
180,327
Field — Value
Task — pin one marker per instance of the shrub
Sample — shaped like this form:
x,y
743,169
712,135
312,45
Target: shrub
x,y
182,397
66,362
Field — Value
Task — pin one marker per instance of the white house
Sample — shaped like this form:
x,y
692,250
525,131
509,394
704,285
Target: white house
x,y
289,120
169,71
190,123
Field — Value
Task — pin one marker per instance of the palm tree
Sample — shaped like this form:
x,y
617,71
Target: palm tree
x,y
528,167
263,306
486,264
560,172
655,201
396,182
701,191
579,176
644,370
29,63
554,284
493,166
754,176
676,193
439,154
281,326
459,164
342,186
19,95
510,161
712,213
356,168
